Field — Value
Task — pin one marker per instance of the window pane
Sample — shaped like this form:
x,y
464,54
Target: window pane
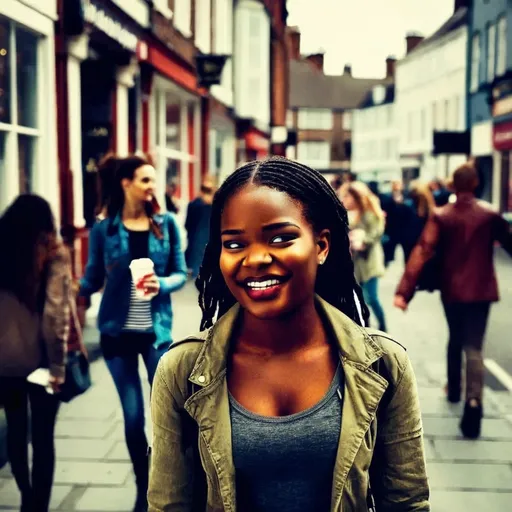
x,y
26,77
26,160
491,46
172,124
501,65
173,176
5,73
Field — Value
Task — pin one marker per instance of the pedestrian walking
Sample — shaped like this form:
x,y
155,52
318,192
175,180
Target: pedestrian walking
x,y
420,205
197,225
286,402
35,294
135,316
462,236
366,229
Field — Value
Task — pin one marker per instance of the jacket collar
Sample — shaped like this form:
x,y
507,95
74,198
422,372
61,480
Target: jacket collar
x,y
354,343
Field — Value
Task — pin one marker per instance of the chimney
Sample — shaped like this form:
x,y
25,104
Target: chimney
x,y
293,42
317,61
347,70
413,39
390,67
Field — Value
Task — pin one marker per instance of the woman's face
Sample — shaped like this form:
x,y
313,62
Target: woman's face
x,y
270,253
349,201
142,187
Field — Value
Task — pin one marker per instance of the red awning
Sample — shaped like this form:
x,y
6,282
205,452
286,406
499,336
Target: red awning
x,y
257,141
502,136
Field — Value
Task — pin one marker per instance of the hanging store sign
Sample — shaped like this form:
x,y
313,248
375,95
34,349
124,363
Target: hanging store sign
x,y
209,69
99,18
502,107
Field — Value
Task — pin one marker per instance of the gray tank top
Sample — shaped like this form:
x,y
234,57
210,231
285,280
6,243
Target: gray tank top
x,y
286,463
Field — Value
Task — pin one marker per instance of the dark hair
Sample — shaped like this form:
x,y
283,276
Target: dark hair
x,y
28,231
335,280
107,170
465,178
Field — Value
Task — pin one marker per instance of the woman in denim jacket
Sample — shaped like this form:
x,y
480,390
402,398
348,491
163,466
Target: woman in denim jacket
x,y
131,325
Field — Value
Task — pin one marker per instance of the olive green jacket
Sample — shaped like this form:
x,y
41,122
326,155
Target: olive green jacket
x,y
191,472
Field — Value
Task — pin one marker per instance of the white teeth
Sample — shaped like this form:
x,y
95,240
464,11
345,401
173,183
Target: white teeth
x,y
262,284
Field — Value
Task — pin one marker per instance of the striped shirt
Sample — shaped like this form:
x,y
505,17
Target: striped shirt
x,y
139,317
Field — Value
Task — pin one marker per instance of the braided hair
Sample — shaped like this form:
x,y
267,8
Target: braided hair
x,y
335,280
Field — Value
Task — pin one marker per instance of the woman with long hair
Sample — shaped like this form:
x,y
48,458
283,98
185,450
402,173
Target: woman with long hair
x,y
35,294
367,222
421,206
135,317
284,401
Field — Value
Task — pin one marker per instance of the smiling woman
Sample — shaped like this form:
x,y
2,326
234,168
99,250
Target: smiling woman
x,y
299,407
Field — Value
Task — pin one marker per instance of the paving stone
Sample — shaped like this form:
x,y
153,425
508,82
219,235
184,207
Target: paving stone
x,y
430,453
87,473
90,410
492,428
119,452
492,451
90,429
91,449
433,402
452,475
460,501
10,495
107,499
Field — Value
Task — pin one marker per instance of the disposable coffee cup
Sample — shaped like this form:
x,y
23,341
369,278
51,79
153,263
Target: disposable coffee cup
x,y
140,268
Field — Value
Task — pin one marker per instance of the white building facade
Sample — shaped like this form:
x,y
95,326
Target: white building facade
x,y
375,136
28,124
430,96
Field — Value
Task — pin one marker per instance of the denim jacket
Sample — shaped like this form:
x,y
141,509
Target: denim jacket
x,y
381,440
108,264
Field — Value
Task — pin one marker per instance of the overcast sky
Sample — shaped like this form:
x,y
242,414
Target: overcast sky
x,y
363,32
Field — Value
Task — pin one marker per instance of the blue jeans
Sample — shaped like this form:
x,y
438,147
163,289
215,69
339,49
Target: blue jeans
x,y
122,358
371,297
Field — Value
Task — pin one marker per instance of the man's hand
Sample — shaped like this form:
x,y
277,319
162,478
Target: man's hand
x,y
400,302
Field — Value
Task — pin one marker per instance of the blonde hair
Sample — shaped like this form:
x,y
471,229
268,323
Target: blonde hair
x,y
365,199
423,199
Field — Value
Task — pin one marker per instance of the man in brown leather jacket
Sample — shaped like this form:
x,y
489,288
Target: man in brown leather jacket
x,y
463,235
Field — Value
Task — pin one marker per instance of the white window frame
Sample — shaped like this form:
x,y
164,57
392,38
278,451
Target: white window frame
x,y
45,180
475,62
223,45
501,48
203,28
315,119
347,120
183,16
320,161
491,52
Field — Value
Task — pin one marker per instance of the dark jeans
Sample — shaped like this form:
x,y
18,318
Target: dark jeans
x,y
16,394
371,297
467,323
122,358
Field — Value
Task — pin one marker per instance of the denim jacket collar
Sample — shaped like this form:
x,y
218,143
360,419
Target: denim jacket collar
x,y
363,391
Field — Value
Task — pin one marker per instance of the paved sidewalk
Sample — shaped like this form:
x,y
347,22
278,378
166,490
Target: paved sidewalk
x,y
94,473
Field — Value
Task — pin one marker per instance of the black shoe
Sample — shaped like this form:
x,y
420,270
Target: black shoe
x,y
472,420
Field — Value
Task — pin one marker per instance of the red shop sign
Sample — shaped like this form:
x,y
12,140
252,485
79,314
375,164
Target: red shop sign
x,y
502,136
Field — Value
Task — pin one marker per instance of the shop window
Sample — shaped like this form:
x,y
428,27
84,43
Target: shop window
x,y
223,40
501,57
346,119
475,63
203,33
19,106
183,16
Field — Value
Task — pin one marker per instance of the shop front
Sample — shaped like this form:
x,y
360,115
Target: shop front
x,y
28,131
502,143
222,141
99,98
252,143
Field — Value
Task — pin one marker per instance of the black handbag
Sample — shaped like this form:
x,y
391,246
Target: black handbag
x,y
78,377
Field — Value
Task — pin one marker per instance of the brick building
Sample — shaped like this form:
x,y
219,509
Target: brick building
x,y
320,110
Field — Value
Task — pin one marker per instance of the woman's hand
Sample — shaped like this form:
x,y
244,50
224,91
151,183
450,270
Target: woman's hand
x,y
150,284
400,302
56,383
